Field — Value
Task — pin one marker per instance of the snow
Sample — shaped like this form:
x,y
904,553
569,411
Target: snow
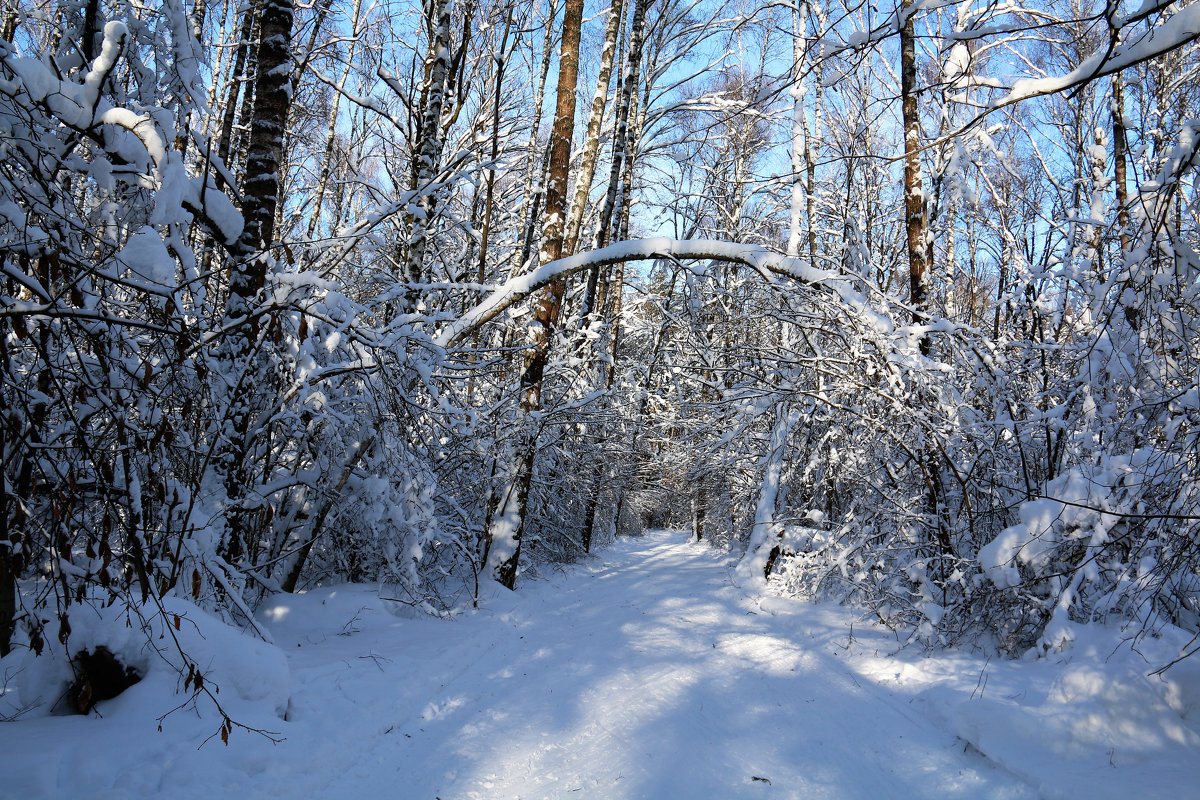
x,y
1182,27
751,568
118,752
147,256
1073,508
643,673
767,263
1088,722
141,126
114,40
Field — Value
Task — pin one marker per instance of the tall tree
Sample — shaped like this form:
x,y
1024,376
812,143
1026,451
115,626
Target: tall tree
x,y
429,141
508,525
916,225
244,370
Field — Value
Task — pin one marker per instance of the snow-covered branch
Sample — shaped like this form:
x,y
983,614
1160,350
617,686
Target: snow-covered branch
x,y
766,262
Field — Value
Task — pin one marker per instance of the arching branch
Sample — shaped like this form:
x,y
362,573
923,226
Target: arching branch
x,y
766,263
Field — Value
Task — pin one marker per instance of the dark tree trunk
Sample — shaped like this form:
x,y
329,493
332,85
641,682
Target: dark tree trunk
x,y
252,261
237,86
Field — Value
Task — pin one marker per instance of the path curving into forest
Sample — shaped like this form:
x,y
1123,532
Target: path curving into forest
x,y
642,675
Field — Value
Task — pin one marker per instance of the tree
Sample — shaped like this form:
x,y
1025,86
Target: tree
x,y
507,526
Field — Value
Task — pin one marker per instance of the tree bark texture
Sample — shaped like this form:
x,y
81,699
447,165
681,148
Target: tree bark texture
x,y
505,550
914,195
591,146
429,143
251,259
633,60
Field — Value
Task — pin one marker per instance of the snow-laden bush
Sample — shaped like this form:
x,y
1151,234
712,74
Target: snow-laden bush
x,y
387,529
188,663
1089,549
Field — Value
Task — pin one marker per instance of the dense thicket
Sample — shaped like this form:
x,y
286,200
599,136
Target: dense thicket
x,y
918,328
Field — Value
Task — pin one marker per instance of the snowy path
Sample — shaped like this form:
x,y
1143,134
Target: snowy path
x,y
644,677
641,674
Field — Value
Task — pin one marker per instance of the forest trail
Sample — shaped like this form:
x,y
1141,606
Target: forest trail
x,y
644,674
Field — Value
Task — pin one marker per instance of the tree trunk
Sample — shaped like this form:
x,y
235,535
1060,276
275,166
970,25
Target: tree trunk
x,y
532,194
914,195
917,240
799,133
637,33
616,280
1121,188
252,261
238,81
429,144
508,525
591,146
9,19
754,564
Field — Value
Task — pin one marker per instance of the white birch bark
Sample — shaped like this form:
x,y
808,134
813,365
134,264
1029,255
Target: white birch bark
x,y
429,143
591,147
751,569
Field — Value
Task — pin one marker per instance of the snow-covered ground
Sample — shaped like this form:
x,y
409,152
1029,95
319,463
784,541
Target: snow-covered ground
x,y
642,674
